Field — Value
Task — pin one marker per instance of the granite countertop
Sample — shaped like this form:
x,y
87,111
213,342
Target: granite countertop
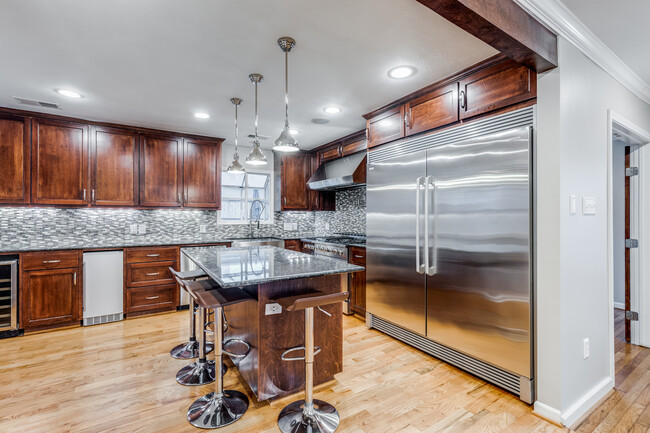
x,y
74,243
234,267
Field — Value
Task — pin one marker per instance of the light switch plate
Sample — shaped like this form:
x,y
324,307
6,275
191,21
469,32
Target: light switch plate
x,y
142,229
295,226
133,229
270,309
287,226
573,204
588,205
327,226
203,228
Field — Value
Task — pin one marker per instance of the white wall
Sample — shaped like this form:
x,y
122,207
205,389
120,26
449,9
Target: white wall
x,y
618,173
572,280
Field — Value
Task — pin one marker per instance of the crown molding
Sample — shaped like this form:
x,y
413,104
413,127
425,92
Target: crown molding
x,y
559,19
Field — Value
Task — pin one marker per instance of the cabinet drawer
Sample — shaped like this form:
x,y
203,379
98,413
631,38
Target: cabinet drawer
x,y
49,260
292,244
357,256
149,274
150,298
148,255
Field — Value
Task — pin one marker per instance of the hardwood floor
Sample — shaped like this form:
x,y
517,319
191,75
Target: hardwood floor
x,y
119,377
627,407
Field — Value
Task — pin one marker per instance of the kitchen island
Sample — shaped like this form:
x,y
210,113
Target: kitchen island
x,y
268,273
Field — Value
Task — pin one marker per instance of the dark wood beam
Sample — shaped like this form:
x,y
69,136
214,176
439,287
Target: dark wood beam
x,y
504,25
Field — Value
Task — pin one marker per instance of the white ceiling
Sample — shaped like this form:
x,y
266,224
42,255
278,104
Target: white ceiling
x,y
154,63
622,25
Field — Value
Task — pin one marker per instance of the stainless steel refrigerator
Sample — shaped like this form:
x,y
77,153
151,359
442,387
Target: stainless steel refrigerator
x,y
449,229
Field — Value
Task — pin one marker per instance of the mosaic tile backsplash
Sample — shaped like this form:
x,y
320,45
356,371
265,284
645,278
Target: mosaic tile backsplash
x,y
49,228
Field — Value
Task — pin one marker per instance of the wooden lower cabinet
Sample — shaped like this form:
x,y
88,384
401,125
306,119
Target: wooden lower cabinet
x,y
148,284
292,244
357,281
52,295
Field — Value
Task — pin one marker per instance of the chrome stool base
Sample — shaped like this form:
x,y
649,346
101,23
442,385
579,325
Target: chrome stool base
x,y
210,411
189,350
198,373
294,419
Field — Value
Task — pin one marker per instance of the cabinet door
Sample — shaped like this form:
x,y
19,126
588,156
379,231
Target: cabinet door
x,y
59,162
354,147
201,174
292,244
114,167
330,154
438,108
50,297
14,164
319,200
498,86
358,292
161,171
295,174
385,127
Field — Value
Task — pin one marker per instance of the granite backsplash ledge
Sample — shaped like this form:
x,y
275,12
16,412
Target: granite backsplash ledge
x,y
21,227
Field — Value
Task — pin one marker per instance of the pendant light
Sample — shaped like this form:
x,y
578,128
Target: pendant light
x,y
235,166
256,157
286,142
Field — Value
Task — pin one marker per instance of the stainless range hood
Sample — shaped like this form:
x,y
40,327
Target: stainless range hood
x,y
346,172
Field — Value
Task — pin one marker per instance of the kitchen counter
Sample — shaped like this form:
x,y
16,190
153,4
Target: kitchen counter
x,y
234,267
73,243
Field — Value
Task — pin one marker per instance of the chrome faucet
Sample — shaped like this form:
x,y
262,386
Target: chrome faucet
x,y
250,218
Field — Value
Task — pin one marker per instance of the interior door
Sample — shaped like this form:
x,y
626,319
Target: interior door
x,y
395,281
478,261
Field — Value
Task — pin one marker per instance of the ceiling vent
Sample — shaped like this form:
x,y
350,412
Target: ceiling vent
x,y
36,103
261,137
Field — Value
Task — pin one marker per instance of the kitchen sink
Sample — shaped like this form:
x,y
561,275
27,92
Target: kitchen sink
x,y
258,242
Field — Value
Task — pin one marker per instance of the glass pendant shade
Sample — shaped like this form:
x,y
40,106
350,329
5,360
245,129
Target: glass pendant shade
x,y
256,157
286,142
235,166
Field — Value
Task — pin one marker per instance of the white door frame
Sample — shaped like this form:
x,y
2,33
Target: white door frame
x,y
638,278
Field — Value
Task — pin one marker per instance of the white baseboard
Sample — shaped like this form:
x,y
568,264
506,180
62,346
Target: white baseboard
x,y
619,305
587,402
548,412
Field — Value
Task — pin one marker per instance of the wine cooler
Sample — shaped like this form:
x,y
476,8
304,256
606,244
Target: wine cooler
x,y
8,294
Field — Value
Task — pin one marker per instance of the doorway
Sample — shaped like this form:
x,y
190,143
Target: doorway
x,y
629,240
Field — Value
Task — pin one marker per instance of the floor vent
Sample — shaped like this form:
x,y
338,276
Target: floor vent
x,y
35,103
98,320
503,379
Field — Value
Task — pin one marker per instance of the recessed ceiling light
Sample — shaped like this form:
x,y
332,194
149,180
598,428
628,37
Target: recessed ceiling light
x,y
401,72
202,115
332,109
293,131
68,93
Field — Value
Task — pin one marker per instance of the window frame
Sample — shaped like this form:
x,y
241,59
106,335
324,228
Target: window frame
x,y
270,209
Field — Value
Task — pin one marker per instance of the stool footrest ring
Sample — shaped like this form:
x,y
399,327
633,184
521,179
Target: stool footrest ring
x,y
236,355
284,356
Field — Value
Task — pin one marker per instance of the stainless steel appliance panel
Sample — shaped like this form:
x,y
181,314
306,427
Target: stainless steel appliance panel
x,y
479,231
395,280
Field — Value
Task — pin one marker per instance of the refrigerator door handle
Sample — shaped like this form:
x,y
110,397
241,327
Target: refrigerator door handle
x,y
430,252
419,266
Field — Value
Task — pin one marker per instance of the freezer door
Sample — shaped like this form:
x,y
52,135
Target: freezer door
x,y
479,230
395,280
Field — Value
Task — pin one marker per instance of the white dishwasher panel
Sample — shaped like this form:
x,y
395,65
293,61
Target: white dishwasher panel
x,y
103,287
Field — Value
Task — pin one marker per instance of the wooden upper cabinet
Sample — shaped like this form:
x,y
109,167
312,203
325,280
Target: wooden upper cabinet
x,y
498,86
295,170
435,109
386,126
354,147
331,153
59,162
14,163
161,177
113,167
202,174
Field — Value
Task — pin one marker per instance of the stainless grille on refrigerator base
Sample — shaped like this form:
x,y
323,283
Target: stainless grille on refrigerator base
x,y
518,385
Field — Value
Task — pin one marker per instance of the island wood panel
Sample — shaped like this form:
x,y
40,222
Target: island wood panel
x,y
15,133
201,174
114,173
59,162
161,166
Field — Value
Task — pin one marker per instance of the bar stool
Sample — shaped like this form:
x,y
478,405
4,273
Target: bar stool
x,y
203,370
308,415
190,349
221,407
